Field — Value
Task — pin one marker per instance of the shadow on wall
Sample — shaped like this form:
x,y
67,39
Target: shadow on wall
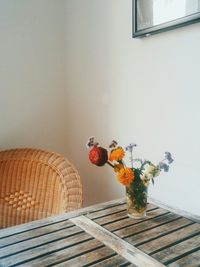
x,y
88,95
32,82
38,126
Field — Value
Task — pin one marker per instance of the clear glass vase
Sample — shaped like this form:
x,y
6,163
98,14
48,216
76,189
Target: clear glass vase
x,y
136,196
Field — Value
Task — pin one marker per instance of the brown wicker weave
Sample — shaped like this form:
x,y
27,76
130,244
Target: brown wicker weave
x,y
35,184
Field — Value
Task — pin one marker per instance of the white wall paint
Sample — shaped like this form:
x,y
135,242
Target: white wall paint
x,y
145,91
32,74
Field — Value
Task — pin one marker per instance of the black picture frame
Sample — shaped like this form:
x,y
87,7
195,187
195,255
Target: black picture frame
x,y
190,19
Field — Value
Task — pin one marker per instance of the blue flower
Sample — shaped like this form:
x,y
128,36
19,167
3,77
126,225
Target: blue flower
x,y
168,157
130,147
163,166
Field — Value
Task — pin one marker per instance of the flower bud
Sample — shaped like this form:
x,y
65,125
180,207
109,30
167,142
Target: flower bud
x,y
98,155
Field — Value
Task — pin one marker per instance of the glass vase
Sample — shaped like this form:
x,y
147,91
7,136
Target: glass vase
x,y
136,196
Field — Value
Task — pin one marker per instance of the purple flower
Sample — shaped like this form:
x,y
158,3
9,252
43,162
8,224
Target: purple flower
x,y
168,157
130,147
163,166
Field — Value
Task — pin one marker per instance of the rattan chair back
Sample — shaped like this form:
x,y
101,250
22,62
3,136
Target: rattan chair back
x,y
35,184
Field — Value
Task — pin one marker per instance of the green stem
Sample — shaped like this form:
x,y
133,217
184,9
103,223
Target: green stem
x,y
131,159
123,163
110,164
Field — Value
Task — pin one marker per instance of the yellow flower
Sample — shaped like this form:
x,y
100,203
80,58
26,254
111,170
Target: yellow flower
x,y
118,167
126,176
117,154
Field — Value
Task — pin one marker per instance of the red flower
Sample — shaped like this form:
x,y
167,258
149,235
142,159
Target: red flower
x,y
98,155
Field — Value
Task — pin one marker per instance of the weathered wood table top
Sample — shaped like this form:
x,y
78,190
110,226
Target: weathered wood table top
x,y
103,235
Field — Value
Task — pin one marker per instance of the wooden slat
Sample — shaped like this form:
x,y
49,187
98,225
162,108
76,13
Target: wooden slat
x,y
193,217
116,216
52,251
130,221
171,253
167,240
114,261
112,218
113,210
89,258
146,225
15,248
105,205
51,220
64,255
123,248
155,232
106,212
192,260
35,233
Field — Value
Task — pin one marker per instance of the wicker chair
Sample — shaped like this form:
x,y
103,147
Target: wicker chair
x,y
35,184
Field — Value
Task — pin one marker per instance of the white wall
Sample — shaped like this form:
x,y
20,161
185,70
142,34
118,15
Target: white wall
x,y
32,74
69,73
145,91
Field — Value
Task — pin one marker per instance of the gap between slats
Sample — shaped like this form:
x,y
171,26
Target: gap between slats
x,y
57,262
136,223
173,243
181,256
27,239
161,235
85,253
116,220
49,242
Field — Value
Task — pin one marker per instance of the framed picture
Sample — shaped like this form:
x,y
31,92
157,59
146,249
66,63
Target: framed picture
x,y
154,16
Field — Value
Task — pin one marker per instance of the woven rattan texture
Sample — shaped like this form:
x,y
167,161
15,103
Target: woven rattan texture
x,y
35,184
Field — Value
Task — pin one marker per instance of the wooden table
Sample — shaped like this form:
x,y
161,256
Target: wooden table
x,y
103,235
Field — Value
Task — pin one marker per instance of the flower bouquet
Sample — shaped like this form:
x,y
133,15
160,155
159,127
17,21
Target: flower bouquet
x,y
135,178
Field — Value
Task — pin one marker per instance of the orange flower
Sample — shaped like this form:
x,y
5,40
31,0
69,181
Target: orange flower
x,y
118,167
117,154
126,176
